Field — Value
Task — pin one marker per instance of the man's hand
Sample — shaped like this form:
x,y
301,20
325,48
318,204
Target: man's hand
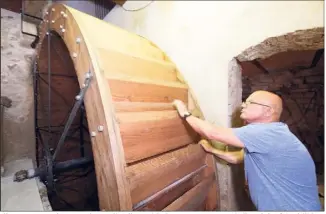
x,y
206,145
233,157
181,107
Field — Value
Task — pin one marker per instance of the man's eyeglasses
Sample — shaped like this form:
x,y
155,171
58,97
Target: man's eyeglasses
x,y
251,102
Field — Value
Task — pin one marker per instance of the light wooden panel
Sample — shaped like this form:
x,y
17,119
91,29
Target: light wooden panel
x,y
123,90
134,117
114,62
104,35
192,199
150,176
142,107
150,133
119,2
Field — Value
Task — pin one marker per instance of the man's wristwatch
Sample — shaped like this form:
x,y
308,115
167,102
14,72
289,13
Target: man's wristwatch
x,y
187,114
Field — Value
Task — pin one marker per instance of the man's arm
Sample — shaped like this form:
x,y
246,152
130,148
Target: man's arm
x,y
224,135
234,157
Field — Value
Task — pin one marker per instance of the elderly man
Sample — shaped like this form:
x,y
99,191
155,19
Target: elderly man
x,y
279,170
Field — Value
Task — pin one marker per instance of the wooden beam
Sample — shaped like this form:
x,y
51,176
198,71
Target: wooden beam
x,y
14,6
119,2
319,53
259,66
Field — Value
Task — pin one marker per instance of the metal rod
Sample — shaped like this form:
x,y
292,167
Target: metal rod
x,y
81,133
60,75
29,34
49,80
73,114
57,168
35,109
22,16
72,164
35,17
47,147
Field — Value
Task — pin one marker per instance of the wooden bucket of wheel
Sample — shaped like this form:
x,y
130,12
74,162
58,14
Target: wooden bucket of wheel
x,y
146,157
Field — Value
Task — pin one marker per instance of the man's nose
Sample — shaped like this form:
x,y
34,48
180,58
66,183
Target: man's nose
x,y
243,105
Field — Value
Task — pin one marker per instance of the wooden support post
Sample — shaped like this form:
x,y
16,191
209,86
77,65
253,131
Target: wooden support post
x,y
119,2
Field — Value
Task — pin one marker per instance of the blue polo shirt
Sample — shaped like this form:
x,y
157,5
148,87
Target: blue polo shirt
x,y
279,170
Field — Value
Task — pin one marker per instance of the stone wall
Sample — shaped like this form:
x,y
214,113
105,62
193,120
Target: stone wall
x,y
16,84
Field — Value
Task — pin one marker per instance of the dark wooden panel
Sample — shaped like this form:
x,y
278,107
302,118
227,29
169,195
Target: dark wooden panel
x,y
12,5
151,176
212,199
194,198
165,197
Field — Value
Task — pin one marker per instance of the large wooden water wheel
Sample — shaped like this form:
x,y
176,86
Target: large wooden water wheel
x,y
112,91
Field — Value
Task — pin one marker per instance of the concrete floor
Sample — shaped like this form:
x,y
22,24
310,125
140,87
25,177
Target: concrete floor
x,y
22,196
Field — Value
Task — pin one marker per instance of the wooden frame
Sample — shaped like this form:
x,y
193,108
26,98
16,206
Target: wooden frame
x,y
146,157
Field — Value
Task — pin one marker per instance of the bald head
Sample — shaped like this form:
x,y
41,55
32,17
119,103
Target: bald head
x,y
262,106
269,99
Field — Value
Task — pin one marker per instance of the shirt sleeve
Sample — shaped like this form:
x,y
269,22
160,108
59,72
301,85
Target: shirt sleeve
x,y
254,138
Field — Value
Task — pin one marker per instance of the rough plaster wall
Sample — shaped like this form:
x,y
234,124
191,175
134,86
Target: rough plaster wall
x,y
202,38
307,39
16,84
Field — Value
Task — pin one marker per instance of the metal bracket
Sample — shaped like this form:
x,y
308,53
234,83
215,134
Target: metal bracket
x,y
74,110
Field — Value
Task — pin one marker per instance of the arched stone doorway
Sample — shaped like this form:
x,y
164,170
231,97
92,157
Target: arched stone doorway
x,y
291,65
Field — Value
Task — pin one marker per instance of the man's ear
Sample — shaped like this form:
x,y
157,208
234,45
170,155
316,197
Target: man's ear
x,y
269,112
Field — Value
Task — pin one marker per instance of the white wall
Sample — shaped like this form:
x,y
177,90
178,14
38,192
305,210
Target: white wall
x,y
203,37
